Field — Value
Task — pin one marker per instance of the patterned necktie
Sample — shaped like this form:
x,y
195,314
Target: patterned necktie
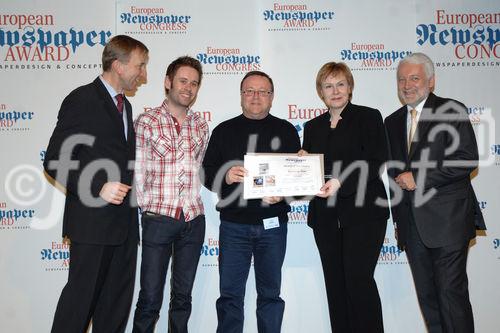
x,y
119,104
413,127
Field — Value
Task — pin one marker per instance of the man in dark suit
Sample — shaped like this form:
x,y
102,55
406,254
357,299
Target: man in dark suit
x,y
91,153
433,151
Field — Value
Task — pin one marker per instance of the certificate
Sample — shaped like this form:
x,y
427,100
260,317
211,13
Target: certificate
x,y
282,175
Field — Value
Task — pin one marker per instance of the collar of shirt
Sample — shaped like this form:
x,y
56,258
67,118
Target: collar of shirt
x,y
332,115
111,91
189,111
419,109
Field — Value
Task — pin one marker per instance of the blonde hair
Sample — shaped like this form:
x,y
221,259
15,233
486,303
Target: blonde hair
x,y
334,69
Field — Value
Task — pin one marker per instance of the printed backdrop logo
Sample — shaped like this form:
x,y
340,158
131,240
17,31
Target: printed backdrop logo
x,y
390,254
495,151
477,112
152,20
299,115
228,61
471,38
298,212
297,17
207,115
496,246
15,219
372,56
12,120
30,42
482,204
55,257
210,253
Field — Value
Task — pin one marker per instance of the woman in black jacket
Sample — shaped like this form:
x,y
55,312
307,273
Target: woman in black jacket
x,y
348,216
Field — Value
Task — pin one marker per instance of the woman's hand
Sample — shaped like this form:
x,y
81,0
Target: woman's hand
x,y
329,189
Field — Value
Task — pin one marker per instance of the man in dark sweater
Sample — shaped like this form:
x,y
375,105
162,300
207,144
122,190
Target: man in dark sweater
x,y
249,227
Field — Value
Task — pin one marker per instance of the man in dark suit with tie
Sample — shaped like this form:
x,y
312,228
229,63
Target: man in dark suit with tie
x,y
433,151
91,153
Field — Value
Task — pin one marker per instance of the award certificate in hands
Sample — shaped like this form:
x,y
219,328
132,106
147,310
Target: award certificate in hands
x,y
282,175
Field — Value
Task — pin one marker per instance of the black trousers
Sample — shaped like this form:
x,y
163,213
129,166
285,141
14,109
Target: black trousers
x,y
100,288
349,257
440,276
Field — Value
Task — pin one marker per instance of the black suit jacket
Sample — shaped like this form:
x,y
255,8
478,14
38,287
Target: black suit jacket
x,y
449,216
90,110
358,139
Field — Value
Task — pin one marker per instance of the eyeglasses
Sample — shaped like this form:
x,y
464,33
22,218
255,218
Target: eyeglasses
x,y
260,93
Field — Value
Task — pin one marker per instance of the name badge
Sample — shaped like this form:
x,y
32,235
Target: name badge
x,y
272,222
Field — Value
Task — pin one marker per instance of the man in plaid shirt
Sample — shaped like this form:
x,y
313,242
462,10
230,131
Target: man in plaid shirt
x,y
171,143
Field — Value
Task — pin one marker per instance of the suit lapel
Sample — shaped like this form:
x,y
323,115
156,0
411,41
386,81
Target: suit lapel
x,y
346,117
130,124
110,108
400,131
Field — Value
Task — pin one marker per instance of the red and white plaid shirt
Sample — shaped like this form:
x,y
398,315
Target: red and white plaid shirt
x,y
167,163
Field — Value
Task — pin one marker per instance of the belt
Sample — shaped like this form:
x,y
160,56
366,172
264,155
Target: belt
x,y
148,213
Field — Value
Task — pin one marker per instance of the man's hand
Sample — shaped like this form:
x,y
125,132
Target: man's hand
x,y
302,152
405,181
235,174
114,192
272,200
329,189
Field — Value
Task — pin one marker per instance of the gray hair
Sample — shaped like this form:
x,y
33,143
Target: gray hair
x,y
419,58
